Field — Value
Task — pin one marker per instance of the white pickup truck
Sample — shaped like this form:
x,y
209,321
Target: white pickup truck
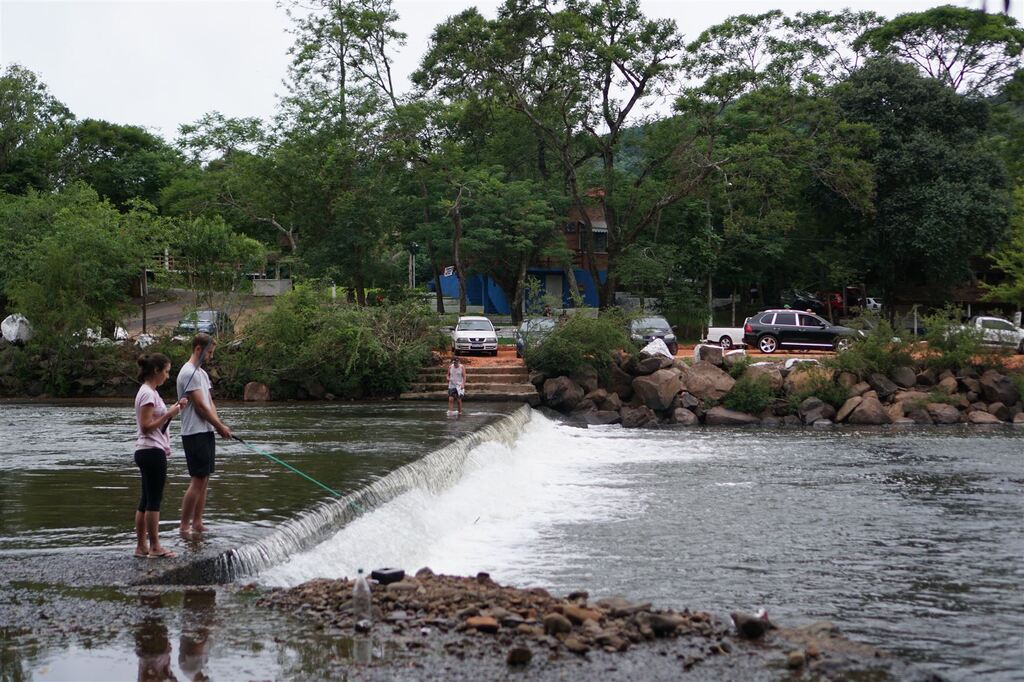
x,y
995,331
726,337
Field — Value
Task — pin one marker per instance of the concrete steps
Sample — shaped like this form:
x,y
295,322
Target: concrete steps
x,y
495,384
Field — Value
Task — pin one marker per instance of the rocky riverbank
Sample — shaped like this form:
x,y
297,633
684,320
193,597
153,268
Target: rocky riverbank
x,y
652,390
475,625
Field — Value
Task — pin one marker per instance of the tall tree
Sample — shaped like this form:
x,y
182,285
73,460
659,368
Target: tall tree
x,y
32,128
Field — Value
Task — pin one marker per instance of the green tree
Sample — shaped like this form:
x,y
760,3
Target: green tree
x,y
942,195
1008,258
213,258
969,50
32,128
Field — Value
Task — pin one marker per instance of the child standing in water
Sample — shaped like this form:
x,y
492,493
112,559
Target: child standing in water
x,y
152,446
456,385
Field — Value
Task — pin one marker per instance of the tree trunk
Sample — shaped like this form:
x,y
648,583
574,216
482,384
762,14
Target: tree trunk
x,y
517,294
457,221
574,287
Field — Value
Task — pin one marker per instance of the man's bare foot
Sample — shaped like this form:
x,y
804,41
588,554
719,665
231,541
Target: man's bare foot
x,y
161,553
198,528
184,531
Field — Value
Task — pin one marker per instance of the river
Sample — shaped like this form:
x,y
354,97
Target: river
x,y
910,540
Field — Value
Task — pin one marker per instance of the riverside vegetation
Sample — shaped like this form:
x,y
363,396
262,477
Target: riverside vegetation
x,y
879,380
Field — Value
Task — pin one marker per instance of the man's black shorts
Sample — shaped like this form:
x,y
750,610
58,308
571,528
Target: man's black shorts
x,y
199,452
453,392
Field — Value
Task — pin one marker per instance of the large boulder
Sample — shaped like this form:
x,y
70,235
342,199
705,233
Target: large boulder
x,y
255,392
684,417
912,397
814,409
895,411
708,352
707,382
586,379
1003,413
658,390
999,388
648,365
904,376
803,375
882,385
734,357
860,389
870,411
971,384
690,402
920,416
613,403
635,417
766,369
848,407
620,382
598,417
979,417
942,413
720,416
537,378
562,393
948,385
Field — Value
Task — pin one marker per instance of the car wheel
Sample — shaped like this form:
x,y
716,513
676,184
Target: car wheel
x,y
725,342
455,351
768,344
674,348
842,344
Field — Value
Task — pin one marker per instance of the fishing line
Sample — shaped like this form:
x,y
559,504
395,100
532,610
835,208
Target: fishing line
x,y
286,464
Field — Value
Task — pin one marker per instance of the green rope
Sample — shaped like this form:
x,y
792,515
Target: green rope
x,y
286,464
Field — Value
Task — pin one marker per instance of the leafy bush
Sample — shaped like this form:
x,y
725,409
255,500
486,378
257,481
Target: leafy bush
x,y
738,367
350,351
951,344
750,394
822,386
579,343
879,350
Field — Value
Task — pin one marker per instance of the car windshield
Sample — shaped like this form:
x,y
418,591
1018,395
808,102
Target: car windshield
x,y
474,326
540,324
657,324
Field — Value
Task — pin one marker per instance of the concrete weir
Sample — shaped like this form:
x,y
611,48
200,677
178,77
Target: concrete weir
x,y
435,471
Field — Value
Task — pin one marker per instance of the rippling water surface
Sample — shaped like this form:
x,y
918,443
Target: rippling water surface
x,y
910,540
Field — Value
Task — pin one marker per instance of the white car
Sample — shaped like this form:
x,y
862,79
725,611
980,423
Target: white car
x,y
873,303
726,337
995,331
474,334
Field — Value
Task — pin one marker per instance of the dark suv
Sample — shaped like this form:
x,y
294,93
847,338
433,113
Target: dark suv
x,y
774,329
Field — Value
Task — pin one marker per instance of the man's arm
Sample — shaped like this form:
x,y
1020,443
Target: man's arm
x,y
208,412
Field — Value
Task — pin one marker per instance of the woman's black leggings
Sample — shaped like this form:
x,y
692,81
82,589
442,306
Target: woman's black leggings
x,y
153,465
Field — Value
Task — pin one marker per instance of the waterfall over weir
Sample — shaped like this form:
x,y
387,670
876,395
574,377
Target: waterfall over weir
x,y
435,471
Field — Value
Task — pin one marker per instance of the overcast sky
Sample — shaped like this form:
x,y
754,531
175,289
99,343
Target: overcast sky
x,y
161,63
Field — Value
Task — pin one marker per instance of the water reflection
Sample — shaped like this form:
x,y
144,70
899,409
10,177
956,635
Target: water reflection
x,y
197,619
152,645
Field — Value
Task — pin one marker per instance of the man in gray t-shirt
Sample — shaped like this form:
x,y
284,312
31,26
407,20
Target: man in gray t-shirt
x,y
198,423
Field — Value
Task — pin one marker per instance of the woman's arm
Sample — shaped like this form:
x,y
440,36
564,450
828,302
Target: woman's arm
x,y
149,422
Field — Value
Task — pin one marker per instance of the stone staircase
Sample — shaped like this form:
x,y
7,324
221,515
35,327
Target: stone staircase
x,y
495,384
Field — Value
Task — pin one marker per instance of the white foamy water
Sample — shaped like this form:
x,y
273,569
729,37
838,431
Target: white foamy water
x,y
502,514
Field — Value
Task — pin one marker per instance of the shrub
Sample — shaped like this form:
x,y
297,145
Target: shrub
x,y
951,344
579,343
738,367
821,386
879,350
750,394
351,351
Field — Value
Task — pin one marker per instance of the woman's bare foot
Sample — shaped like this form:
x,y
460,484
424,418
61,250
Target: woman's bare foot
x,y
161,553
198,528
141,552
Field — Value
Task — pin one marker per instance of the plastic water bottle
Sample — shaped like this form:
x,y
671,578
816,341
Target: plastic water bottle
x,y
362,603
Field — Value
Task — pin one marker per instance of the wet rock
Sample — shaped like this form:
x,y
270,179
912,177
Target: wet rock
x,y
895,411
578,614
659,389
519,655
684,417
597,396
425,572
599,417
556,624
998,388
721,416
943,414
620,383
749,625
795,659
619,607
707,382
849,406
904,376
920,416
664,624
870,411
882,385
1003,413
537,378
483,624
574,645
255,391
636,417
822,423
1018,419
562,393
813,409
979,417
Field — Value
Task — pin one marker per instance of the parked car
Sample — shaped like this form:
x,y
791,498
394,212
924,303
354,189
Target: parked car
x,y
801,300
643,330
771,330
726,337
532,332
474,334
995,331
213,322
872,303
